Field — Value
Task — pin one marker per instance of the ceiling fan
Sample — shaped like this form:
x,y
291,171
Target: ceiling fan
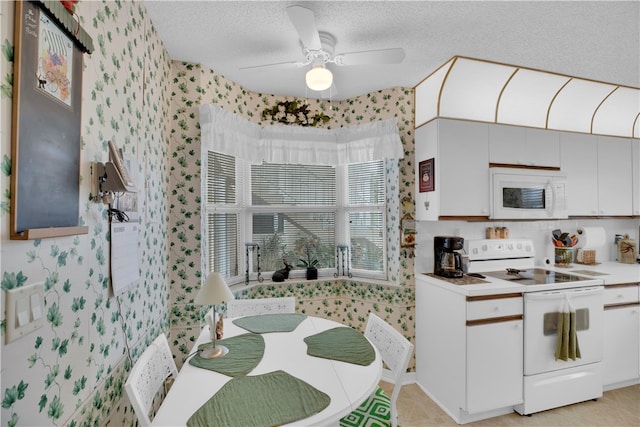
x,y
318,48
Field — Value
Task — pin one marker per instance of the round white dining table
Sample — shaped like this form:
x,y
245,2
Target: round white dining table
x,y
347,384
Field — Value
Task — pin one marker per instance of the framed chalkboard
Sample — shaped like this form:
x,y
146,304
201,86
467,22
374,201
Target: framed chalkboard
x,y
45,172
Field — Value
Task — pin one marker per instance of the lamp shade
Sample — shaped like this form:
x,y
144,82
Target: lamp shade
x,y
319,78
214,291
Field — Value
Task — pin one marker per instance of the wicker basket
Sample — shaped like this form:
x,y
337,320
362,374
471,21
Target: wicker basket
x,y
588,256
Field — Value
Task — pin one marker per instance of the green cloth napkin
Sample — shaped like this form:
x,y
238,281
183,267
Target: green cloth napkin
x,y
266,400
341,343
245,352
567,341
264,323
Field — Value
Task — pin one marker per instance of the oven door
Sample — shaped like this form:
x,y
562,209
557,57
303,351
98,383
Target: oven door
x,y
541,330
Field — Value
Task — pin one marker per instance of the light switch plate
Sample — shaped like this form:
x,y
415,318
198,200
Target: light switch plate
x,y
27,304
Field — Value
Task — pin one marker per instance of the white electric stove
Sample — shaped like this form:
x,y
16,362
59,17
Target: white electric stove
x,y
514,260
548,382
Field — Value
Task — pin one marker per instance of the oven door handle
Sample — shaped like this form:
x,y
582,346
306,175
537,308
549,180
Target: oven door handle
x,y
560,293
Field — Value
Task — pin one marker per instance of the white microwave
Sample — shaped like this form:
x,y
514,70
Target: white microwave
x,y
528,194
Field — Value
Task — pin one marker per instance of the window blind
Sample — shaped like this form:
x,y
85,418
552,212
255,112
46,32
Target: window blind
x,y
367,240
222,243
366,183
221,182
292,185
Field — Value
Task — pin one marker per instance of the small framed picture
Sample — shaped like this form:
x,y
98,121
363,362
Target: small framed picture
x,y
408,231
426,176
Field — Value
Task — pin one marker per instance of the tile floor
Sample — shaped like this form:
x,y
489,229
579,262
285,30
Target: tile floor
x,y
617,408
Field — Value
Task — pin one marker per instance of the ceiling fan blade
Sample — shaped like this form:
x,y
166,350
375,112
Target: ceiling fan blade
x,y
289,64
305,24
366,57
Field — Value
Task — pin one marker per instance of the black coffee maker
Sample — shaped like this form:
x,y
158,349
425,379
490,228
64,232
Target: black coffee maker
x,y
447,256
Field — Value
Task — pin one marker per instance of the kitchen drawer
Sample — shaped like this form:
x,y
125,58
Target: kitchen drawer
x,y
494,307
620,294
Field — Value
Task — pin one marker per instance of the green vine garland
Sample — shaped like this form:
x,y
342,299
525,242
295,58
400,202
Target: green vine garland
x,y
294,113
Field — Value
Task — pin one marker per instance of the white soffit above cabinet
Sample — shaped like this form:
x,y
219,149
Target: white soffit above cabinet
x,y
472,89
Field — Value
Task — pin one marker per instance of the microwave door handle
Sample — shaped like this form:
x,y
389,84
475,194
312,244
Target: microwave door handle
x,y
551,209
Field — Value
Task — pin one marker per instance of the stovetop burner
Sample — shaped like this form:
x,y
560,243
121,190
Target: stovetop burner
x,y
534,276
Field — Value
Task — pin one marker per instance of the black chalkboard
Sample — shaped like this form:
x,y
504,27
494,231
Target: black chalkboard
x,y
46,124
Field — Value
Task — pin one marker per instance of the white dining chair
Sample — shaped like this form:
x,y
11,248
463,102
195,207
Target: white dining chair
x,y
395,351
150,371
253,307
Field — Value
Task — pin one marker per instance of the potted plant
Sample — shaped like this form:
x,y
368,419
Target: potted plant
x,y
310,262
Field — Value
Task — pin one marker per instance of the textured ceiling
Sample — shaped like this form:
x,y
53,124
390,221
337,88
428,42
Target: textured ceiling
x,y
591,40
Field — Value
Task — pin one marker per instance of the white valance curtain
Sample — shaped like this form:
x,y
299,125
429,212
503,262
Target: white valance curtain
x,y
228,133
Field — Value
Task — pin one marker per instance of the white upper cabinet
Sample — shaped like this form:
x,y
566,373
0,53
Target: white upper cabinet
x,y
615,176
599,174
579,153
603,172
460,151
515,145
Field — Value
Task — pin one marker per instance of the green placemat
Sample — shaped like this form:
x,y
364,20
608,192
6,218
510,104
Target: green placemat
x,y
245,352
341,343
270,399
264,323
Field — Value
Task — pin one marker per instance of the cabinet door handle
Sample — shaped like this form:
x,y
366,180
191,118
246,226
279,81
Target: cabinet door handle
x,y
490,320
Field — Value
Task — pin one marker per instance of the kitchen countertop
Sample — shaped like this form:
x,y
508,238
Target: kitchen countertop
x,y
609,272
491,286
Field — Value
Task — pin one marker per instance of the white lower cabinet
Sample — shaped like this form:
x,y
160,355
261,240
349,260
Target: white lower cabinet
x,y
469,351
621,358
494,365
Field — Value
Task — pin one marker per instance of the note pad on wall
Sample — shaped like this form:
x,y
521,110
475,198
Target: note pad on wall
x,y
124,256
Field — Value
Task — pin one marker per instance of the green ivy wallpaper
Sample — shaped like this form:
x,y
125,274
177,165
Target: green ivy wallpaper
x,y
72,370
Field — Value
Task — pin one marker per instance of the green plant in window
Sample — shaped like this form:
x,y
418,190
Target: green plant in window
x,y
309,261
272,251
306,247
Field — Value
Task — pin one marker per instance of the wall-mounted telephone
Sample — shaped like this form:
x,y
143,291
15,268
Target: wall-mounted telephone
x,y
111,177
116,158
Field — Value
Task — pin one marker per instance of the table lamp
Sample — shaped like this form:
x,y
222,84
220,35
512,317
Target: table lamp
x,y
214,291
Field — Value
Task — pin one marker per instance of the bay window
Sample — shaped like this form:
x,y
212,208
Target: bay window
x,y
274,194
285,210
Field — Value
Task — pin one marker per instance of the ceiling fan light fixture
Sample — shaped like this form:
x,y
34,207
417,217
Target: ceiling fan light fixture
x,y
319,78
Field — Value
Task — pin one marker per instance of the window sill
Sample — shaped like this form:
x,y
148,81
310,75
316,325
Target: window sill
x,y
242,286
